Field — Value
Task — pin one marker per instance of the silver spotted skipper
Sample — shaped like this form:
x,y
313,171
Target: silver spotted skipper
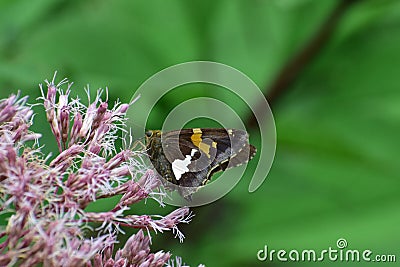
x,y
189,157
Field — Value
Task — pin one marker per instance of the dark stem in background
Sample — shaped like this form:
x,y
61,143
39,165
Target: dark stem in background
x,y
293,68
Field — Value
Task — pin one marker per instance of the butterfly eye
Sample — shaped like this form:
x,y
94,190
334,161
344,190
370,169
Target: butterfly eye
x,y
149,133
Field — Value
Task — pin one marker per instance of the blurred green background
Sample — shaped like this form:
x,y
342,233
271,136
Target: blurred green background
x,y
336,170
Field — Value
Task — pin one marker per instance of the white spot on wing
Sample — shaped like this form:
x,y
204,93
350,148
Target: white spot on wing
x,y
179,166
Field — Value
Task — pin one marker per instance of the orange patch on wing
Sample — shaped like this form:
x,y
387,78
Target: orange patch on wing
x,y
205,148
197,141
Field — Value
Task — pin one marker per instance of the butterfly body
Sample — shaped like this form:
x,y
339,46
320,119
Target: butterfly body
x,y
189,157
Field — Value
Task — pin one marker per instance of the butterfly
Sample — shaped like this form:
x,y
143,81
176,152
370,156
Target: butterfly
x,y
190,157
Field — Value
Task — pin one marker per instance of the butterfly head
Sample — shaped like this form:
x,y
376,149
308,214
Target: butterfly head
x,y
152,134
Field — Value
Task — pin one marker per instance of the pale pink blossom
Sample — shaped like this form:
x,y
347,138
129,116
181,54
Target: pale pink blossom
x,y
45,197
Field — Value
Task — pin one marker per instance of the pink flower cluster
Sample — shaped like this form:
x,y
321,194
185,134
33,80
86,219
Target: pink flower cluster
x,y
45,197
